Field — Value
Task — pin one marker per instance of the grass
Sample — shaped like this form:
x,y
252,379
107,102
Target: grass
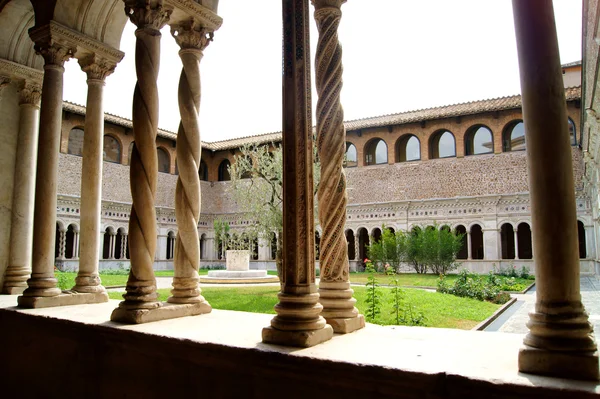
x,y
111,279
428,280
440,310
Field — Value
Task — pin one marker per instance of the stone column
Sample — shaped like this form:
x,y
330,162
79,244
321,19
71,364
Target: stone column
x,y
21,235
149,17
96,70
42,282
75,244
123,245
334,287
62,243
590,242
560,340
356,248
516,233
469,257
298,321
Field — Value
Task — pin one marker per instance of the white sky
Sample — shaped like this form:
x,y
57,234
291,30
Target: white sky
x,y
398,55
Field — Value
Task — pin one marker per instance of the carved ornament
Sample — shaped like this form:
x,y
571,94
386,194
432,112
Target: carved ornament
x,y
29,93
147,14
191,35
186,9
96,67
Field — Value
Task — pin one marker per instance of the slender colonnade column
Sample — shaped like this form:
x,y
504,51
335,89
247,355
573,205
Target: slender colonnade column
x,y
149,17
516,234
88,279
334,287
560,340
21,235
298,321
469,245
42,282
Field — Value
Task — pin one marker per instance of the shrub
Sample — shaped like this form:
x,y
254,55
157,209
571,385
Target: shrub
x,y
524,272
373,295
63,282
501,298
484,288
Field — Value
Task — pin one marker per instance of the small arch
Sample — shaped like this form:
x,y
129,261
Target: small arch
x,y
479,140
224,174
376,152
513,136
581,239
524,241
408,148
170,245
442,145
75,144
507,241
350,240
107,245
476,242
376,234
351,158
363,242
111,149
572,132
120,252
203,246
70,242
203,171
164,160
463,252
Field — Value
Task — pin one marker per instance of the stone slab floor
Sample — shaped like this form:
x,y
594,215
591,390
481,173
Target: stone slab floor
x,y
514,319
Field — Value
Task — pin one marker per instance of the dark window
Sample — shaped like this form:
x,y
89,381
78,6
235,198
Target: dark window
x,y
164,162
112,149
75,146
351,156
376,152
224,171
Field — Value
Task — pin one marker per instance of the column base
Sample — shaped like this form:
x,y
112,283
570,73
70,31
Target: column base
x,y
163,312
302,339
66,298
13,290
346,325
572,365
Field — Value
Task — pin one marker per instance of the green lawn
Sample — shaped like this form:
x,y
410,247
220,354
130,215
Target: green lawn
x,y
440,310
426,280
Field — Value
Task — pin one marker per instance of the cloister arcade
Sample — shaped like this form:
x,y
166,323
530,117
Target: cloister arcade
x,y
560,342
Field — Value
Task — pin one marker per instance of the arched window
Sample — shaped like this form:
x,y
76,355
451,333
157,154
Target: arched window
x,y
442,145
463,252
514,137
572,132
507,239
112,149
57,241
581,237
375,152
479,140
408,148
164,161
351,160
363,243
203,171
476,242
75,146
350,241
120,248
170,245
224,170
524,241
376,234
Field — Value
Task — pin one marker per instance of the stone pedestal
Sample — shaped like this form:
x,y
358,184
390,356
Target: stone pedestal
x,y
65,298
163,311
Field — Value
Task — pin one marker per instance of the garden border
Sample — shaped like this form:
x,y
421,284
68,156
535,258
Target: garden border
x,y
481,326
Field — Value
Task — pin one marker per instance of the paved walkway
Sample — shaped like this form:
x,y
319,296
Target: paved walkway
x,y
515,318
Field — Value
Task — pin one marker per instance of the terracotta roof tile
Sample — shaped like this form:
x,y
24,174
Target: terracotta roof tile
x,y
446,111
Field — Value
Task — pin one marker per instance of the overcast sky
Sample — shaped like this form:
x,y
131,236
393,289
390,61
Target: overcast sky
x,y
398,55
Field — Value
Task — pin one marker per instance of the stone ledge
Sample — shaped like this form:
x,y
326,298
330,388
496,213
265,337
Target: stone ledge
x,y
206,353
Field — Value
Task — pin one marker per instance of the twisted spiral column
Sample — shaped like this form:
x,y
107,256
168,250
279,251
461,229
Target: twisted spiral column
x,y
334,287
186,289
149,17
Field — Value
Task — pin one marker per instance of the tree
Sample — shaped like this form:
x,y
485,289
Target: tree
x,y
257,177
391,248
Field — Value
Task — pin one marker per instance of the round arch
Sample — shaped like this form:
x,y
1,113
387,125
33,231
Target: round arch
x,y
224,174
513,136
351,158
164,160
112,148
479,139
442,144
408,148
376,152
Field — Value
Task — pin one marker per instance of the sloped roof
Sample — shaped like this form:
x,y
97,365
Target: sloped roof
x,y
446,111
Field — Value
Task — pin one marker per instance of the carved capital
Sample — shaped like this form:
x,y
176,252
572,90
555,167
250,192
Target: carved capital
x,y
320,4
54,53
191,35
96,67
29,93
4,81
147,14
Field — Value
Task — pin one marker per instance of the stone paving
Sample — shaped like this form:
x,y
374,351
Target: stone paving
x,y
515,318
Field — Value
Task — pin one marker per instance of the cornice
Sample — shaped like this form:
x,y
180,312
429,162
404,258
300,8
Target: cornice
x,y
20,72
55,32
188,9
